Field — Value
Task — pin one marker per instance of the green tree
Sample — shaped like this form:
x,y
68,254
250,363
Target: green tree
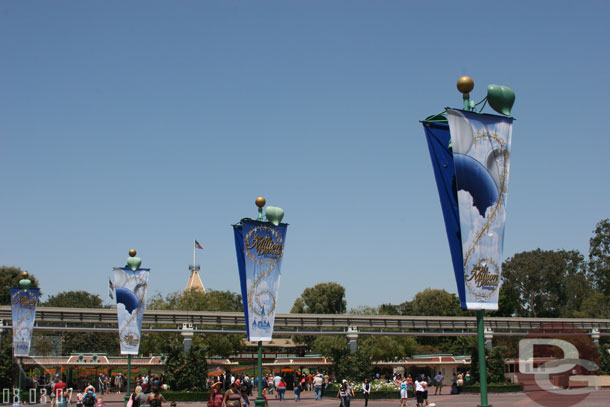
x,y
186,371
193,300
545,283
383,348
599,256
605,359
352,366
8,367
74,299
462,345
435,302
597,305
495,365
323,298
328,345
83,342
9,278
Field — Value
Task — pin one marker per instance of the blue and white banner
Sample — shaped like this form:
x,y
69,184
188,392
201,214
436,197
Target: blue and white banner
x,y
23,309
260,247
481,156
471,162
130,292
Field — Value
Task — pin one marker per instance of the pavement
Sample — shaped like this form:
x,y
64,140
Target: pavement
x,y
599,398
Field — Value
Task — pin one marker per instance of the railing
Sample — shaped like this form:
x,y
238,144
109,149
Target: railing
x,y
93,319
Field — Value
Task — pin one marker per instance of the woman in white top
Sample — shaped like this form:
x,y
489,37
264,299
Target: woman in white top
x,y
366,391
403,392
420,391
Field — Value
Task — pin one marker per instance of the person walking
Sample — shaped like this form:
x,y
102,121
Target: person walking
x,y
318,381
366,391
404,392
419,391
281,388
438,382
139,399
342,394
155,399
297,391
232,397
216,395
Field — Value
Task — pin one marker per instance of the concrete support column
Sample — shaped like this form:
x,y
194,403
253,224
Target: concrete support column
x,y
489,335
352,338
187,336
595,336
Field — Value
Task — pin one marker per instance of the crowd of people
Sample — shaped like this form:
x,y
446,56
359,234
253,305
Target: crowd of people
x,y
146,393
228,390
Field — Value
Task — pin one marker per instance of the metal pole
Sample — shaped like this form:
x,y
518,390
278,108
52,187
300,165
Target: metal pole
x,y
20,374
482,364
260,400
127,392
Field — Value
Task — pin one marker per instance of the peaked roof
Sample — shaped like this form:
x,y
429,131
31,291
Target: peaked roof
x,y
195,283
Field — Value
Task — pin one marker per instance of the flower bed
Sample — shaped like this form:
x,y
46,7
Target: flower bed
x,y
379,390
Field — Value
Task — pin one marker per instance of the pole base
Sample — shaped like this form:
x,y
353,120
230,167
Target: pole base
x,y
484,405
259,402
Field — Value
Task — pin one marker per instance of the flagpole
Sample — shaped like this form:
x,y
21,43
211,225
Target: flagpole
x,y
194,253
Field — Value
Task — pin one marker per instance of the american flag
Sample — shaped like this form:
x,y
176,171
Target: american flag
x,y
198,245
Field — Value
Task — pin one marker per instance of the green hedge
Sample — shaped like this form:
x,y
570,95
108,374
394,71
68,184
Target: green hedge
x,y
492,388
186,395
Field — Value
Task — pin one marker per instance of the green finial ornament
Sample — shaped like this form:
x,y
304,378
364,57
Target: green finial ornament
x,y
501,98
274,215
25,282
133,262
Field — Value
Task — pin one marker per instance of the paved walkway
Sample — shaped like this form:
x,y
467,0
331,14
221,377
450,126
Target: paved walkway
x,y
600,398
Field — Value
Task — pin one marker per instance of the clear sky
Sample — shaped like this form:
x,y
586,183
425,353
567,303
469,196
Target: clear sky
x,y
146,124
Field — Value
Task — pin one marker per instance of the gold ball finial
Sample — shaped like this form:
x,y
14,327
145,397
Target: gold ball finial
x,y
260,202
132,253
465,84
24,274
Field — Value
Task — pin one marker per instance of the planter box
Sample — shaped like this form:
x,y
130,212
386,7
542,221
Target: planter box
x,y
492,388
186,395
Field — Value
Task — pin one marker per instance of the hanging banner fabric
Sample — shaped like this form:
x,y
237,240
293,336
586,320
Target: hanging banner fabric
x,y
260,248
130,293
23,310
438,138
481,157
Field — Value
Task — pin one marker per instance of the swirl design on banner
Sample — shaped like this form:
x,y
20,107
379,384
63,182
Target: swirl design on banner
x,y
486,273
264,246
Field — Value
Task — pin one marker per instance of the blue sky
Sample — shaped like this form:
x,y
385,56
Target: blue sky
x,y
148,124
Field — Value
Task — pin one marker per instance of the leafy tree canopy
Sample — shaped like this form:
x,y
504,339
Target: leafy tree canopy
x,y
74,299
545,283
323,298
436,303
9,278
194,300
599,256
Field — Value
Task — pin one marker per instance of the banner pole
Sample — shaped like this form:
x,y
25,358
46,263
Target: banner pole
x,y
260,400
127,392
482,364
20,374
